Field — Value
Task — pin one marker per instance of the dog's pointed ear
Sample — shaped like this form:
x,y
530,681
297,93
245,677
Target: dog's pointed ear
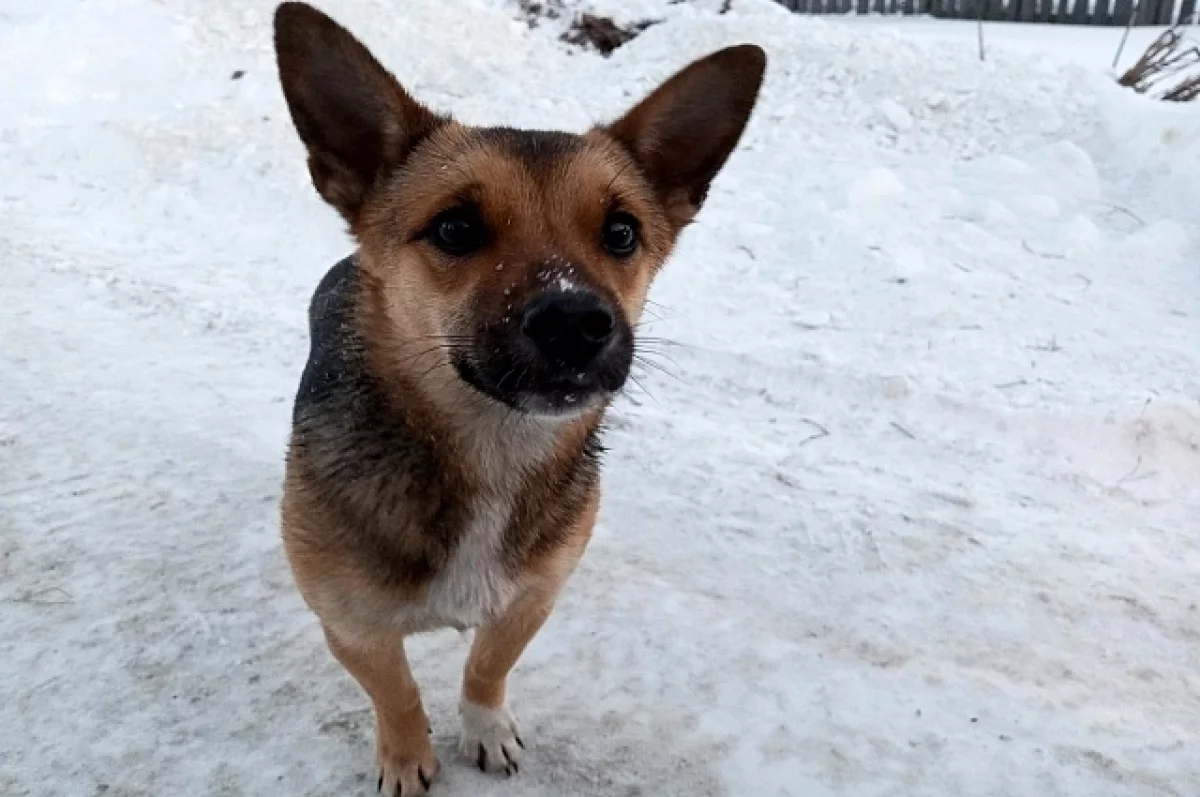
x,y
682,134
355,119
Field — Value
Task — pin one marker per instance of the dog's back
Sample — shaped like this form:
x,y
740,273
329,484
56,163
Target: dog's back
x,y
332,345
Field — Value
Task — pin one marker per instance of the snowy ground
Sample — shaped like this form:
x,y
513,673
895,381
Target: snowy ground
x,y
918,516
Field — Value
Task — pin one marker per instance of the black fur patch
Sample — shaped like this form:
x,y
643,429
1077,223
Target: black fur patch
x,y
358,455
531,145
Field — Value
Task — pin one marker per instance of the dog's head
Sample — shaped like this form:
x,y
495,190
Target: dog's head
x,y
515,261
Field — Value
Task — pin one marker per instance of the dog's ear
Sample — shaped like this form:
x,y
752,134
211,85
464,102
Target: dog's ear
x,y
353,116
682,134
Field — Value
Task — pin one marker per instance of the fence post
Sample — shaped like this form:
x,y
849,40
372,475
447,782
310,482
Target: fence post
x,y
1122,13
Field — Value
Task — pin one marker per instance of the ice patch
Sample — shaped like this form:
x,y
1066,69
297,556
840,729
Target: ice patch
x,y
1036,207
1165,241
896,115
1080,236
878,184
1069,171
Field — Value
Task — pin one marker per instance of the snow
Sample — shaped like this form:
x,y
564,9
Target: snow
x,y
914,511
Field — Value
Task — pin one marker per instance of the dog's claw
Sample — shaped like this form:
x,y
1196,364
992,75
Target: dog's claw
x,y
511,767
379,785
489,739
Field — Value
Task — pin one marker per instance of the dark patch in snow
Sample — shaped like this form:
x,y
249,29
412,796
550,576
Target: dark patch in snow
x,y
602,33
535,11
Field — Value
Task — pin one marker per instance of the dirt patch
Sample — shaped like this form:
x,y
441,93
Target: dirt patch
x,y
586,31
534,11
602,33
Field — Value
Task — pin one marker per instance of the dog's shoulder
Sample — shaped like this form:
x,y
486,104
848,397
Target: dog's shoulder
x,y
343,418
385,494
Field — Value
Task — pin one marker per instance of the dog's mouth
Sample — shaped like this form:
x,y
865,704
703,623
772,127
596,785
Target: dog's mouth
x,y
524,389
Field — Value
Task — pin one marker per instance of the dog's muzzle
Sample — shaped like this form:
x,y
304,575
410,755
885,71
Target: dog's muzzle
x,y
565,351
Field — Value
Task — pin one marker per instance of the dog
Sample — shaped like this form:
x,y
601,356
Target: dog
x,y
444,462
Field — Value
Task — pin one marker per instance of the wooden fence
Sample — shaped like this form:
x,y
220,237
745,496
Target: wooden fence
x,y
1070,12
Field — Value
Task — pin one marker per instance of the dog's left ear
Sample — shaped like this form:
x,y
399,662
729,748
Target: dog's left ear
x,y
682,134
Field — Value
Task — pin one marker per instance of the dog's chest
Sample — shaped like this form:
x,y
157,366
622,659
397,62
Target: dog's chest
x,y
474,584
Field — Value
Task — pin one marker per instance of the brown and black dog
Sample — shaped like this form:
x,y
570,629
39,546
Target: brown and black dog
x,y
443,466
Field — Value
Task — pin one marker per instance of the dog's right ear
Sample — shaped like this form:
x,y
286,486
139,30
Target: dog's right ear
x,y
356,120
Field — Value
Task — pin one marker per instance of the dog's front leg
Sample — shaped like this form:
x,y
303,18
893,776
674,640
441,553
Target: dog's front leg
x,y
489,731
403,752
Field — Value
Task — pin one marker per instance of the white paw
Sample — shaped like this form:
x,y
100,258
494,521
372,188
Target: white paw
x,y
490,738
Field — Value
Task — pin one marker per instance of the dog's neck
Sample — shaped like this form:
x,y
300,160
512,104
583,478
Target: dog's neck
x,y
502,445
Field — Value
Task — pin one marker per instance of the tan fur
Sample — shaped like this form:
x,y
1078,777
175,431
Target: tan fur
x,y
415,499
378,663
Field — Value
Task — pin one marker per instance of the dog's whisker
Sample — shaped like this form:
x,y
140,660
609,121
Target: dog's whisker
x,y
643,388
644,352
437,365
645,363
415,359
660,341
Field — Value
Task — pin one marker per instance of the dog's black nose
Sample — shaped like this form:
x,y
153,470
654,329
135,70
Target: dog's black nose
x,y
569,329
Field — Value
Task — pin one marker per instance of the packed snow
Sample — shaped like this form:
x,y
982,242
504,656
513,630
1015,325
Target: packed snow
x,y
909,503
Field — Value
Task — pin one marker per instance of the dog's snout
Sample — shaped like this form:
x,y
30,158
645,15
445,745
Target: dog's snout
x,y
569,329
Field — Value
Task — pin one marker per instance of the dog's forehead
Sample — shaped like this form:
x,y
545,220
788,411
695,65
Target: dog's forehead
x,y
531,146
505,159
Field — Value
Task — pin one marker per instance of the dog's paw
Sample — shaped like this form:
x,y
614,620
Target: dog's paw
x,y
405,773
490,739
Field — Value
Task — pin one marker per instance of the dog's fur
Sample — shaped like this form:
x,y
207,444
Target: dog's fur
x,y
439,474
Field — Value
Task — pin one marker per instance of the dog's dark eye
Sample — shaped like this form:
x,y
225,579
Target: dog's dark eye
x,y
620,235
458,231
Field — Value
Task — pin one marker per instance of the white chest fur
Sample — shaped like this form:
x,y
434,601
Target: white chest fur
x,y
473,585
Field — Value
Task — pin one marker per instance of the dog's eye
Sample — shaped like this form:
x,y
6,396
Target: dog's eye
x,y
458,231
620,236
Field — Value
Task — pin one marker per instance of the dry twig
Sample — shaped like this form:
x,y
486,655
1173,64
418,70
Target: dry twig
x,y
1048,255
820,432
1170,55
